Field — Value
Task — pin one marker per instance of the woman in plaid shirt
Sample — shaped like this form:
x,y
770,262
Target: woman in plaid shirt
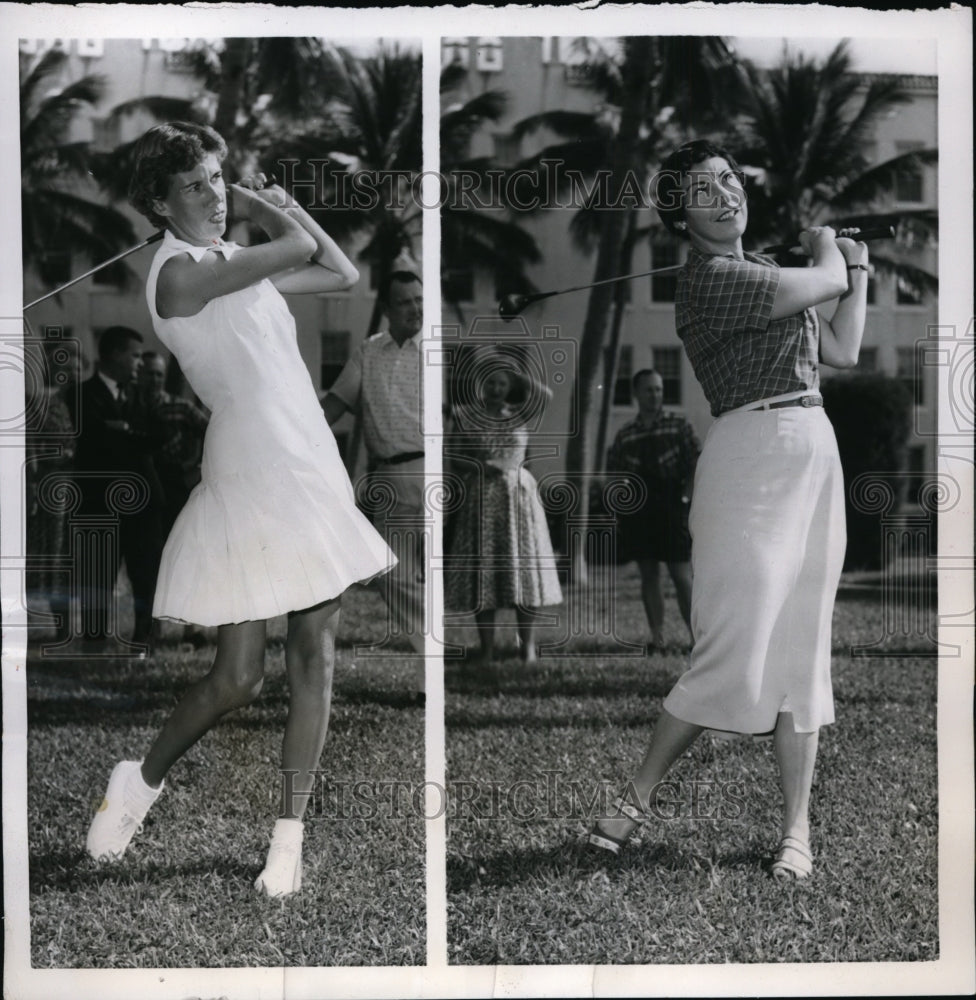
x,y
767,518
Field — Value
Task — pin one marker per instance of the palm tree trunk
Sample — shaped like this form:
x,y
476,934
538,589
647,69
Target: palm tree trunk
x,y
233,67
638,70
611,354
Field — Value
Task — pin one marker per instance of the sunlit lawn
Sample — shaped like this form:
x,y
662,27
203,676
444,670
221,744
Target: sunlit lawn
x,y
183,896
531,750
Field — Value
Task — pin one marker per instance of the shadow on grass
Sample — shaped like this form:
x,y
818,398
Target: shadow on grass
x,y
577,861
536,683
74,870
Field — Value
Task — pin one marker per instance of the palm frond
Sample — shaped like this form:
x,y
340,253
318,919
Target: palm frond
x,y
566,124
166,109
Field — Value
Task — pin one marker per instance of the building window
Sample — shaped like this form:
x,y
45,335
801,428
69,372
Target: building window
x,y
622,394
489,55
667,363
867,359
457,284
335,354
909,360
664,253
907,293
454,50
91,48
909,184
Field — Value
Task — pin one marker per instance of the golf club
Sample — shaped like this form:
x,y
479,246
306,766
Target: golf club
x,y
511,305
155,238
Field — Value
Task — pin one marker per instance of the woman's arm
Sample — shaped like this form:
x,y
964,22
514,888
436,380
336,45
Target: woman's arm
x,y
840,337
185,286
329,269
826,279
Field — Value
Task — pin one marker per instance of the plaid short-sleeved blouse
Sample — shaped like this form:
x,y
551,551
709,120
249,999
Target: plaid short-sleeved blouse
x,y
740,355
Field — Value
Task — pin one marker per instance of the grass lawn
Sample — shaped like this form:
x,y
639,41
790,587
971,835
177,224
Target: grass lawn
x,y
533,753
182,896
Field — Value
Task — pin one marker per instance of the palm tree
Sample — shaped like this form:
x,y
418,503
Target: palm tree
x,y
472,238
60,202
654,89
804,128
370,124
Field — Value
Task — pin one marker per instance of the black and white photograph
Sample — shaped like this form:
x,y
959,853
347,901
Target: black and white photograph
x,y
689,285
234,717
486,501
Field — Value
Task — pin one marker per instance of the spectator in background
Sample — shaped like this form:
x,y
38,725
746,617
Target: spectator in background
x,y
382,384
118,482
49,455
499,554
659,449
176,425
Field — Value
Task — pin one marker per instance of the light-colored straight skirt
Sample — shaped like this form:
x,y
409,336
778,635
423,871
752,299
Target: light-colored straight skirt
x,y
768,539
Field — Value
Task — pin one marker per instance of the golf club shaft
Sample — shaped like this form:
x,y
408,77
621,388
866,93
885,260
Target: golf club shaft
x,y
605,281
81,277
880,233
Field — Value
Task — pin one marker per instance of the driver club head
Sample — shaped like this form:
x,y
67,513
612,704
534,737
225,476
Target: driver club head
x,y
511,305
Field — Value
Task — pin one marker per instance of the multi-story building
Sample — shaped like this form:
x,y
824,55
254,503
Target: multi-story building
x,y
544,74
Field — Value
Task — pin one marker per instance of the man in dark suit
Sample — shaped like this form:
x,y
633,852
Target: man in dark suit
x,y
120,493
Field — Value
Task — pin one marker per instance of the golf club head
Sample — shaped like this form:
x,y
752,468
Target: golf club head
x,y
511,305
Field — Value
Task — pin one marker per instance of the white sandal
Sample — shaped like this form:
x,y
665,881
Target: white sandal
x,y
607,842
793,860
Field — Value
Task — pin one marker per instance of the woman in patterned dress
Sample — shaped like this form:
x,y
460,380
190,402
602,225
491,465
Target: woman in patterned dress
x,y
499,554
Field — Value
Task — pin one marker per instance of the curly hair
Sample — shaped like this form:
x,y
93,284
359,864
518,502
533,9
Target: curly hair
x,y
163,151
667,183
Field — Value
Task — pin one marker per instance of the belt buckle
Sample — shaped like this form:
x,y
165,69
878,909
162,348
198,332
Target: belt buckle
x,y
808,401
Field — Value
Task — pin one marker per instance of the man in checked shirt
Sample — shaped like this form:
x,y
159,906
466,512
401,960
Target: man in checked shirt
x,y
381,382
661,450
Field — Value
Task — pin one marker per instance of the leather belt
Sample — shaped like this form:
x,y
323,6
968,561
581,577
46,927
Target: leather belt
x,y
805,401
404,456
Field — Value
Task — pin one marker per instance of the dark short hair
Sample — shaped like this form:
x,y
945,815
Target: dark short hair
x,y
114,339
403,277
163,151
667,192
643,373
152,356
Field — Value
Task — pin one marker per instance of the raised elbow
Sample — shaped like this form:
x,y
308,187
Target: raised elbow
x,y
841,359
349,277
838,286
307,245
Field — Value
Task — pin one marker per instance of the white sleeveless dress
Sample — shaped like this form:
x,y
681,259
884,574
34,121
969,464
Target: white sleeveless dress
x,y
273,526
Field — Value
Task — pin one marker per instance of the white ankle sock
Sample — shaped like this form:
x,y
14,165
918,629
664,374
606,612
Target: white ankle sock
x,y
137,788
287,830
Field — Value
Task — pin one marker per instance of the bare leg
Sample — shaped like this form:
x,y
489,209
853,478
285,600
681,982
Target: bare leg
x,y
796,755
309,660
234,680
681,575
486,633
671,738
651,596
526,631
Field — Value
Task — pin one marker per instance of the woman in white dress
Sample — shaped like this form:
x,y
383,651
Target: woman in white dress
x,y
272,528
